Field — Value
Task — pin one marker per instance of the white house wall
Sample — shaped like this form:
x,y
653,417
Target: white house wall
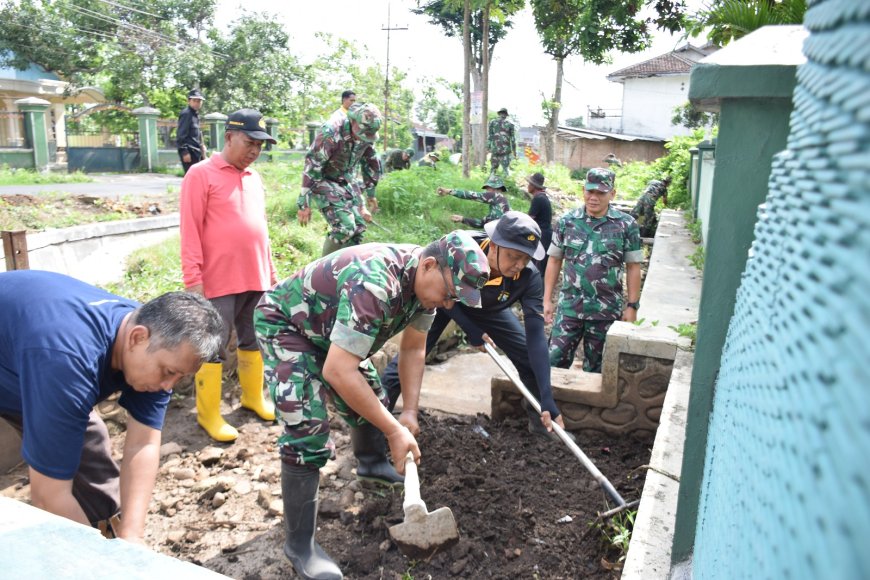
x,y
648,105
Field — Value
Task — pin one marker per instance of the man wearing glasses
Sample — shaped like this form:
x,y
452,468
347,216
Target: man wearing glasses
x,y
510,243
317,329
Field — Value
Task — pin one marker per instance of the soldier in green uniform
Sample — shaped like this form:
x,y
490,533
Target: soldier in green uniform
x,y
493,195
341,145
645,209
501,142
431,159
597,244
317,329
397,159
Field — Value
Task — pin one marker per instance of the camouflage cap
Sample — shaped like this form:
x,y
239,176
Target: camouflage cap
x,y
366,119
409,151
495,183
600,179
468,263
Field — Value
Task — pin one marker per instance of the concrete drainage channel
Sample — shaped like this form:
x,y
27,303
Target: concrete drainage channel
x,y
644,386
95,253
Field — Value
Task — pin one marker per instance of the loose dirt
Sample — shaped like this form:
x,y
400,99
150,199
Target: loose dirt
x,y
524,505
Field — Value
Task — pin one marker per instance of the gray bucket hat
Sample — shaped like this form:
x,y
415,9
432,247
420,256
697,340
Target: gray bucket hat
x,y
517,231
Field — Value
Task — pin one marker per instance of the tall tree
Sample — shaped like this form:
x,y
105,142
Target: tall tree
x,y
592,29
131,51
488,23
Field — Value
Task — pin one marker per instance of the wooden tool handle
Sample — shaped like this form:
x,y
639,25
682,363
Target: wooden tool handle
x,y
413,502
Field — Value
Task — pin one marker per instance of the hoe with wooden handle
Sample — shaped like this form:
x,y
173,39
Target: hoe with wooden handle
x,y
422,534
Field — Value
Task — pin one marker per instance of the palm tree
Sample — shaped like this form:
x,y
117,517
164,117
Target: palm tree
x,y
733,19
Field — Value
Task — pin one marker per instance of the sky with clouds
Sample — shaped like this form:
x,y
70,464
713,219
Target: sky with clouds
x,y
519,74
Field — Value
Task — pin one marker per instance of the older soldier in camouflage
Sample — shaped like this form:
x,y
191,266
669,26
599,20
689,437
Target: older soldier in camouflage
x,y
397,159
493,195
501,142
317,328
594,242
340,146
645,210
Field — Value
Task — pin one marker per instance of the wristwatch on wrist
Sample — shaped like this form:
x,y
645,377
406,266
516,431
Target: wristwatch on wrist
x,y
634,305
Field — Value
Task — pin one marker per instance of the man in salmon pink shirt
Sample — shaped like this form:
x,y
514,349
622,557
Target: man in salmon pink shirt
x,y
226,257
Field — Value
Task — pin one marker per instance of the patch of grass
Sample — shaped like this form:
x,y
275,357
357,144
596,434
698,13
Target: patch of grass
x,y
151,271
697,258
616,533
689,330
12,176
54,210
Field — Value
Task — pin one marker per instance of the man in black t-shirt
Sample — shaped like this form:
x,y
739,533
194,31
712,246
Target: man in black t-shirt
x,y
542,212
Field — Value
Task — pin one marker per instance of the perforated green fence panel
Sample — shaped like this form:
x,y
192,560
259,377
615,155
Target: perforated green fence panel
x,y
786,488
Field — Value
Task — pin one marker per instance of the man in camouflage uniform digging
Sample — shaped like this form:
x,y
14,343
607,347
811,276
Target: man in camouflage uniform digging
x,y
501,143
317,328
340,146
645,210
493,195
397,159
594,242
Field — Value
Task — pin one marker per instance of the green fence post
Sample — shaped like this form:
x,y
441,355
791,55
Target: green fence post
x,y
147,137
217,126
271,129
35,133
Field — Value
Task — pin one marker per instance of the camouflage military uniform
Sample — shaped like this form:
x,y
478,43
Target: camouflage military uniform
x,y
645,210
394,160
355,298
496,200
594,251
501,143
328,177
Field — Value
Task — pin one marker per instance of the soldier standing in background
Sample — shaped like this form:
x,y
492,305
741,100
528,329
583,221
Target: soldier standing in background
x,y
645,209
493,195
596,243
340,147
501,143
188,135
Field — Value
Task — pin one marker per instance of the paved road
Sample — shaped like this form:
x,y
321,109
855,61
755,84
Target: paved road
x,y
109,186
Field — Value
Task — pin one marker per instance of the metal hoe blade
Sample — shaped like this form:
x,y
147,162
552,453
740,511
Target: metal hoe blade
x,y
422,534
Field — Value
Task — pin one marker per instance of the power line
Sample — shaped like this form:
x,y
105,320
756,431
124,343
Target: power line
x,y
118,5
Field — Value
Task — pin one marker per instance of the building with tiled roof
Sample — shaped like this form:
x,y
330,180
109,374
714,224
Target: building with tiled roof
x,y
650,91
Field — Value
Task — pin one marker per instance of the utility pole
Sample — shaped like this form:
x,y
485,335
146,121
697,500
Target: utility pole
x,y
387,79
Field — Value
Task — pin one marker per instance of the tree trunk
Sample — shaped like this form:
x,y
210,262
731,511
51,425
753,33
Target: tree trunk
x,y
480,147
554,112
466,88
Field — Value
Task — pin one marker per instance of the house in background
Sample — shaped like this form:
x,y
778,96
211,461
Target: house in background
x,y
650,92
36,82
581,148
427,140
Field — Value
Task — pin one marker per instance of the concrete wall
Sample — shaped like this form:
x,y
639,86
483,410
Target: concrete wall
x,y
750,83
785,490
586,153
648,105
95,253
17,158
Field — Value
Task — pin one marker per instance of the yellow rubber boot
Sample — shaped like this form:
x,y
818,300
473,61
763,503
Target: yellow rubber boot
x,y
208,403
251,381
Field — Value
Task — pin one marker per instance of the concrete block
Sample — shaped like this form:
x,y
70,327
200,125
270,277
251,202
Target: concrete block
x,y
37,544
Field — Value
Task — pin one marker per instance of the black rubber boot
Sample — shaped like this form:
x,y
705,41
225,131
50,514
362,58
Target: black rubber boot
x,y
299,486
370,449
